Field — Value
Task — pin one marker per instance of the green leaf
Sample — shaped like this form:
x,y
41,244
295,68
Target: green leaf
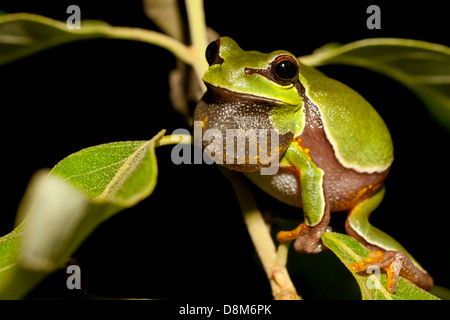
x,y
36,247
373,287
440,292
9,248
421,66
120,172
23,34
62,208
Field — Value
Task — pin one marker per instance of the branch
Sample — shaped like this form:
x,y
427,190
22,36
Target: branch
x,y
153,37
273,261
197,29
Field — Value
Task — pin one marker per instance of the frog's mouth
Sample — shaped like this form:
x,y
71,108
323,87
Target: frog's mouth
x,y
240,95
237,131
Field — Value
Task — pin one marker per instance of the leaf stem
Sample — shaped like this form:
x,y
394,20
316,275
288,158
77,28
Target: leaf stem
x,y
174,139
274,264
180,50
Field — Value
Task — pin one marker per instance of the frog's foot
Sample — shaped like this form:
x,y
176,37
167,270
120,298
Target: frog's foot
x,y
307,239
284,236
395,263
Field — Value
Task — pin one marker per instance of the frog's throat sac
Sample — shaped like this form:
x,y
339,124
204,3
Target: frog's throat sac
x,y
246,120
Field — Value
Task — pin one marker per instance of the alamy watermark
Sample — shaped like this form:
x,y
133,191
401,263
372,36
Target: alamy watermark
x,y
74,20
374,20
237,147
74,280
373,281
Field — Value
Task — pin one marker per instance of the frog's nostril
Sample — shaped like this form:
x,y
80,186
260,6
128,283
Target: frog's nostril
x,y
262,72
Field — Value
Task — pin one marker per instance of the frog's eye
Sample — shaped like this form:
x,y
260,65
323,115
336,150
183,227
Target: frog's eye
x,y
284,69
212,53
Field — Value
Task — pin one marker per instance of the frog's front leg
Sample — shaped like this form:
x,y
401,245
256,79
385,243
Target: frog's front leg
x,y
386,252
316,209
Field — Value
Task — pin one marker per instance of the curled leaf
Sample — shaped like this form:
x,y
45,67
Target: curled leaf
x,y
23,34
62,208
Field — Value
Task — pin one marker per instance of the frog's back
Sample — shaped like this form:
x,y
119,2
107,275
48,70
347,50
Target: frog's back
x,y
344,136
359,136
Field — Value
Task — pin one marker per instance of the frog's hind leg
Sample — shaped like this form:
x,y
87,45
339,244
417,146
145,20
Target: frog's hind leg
x,y
386,253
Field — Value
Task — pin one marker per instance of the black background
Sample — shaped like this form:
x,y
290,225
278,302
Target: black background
x,y
188,241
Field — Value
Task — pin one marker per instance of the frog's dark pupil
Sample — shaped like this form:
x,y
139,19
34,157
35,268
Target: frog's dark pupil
x,y
286,69
211,52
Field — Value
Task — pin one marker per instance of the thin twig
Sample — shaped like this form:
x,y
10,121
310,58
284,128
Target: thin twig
x,y
274,263
174,139
197,29
180,50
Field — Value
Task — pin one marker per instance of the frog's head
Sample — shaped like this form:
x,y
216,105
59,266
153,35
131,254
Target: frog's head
x,y
249,92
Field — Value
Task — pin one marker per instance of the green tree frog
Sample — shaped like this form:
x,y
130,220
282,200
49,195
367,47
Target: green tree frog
x,y
334,149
